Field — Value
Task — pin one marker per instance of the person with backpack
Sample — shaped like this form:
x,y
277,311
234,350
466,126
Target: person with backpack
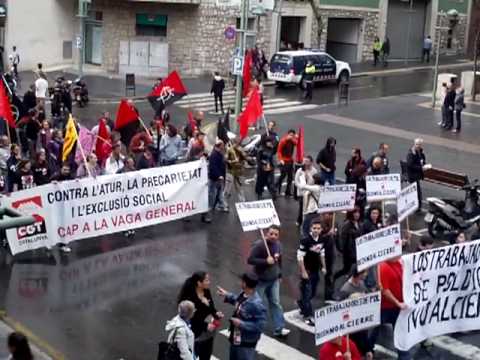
x,y
179,333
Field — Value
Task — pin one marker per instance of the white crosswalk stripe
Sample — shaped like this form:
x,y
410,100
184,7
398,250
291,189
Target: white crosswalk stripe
x,y
205,102
276,350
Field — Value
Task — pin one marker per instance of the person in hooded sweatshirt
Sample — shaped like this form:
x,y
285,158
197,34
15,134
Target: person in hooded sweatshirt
x,y
218,85
179,331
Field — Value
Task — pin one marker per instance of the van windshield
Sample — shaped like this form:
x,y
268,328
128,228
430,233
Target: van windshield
x,y
281,63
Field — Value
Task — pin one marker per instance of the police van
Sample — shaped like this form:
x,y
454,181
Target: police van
x,y
286,67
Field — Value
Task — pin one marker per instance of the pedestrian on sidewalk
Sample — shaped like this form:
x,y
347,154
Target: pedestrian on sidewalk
x,y
285,156
206,319
18,347
266,169
326,159
443,95
459,106
385,51
308,75
14,59
248,319
449,104
218,85
427,48
268,268
377,47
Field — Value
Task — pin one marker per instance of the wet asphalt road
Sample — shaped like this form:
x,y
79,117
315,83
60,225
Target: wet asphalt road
x,y
110,298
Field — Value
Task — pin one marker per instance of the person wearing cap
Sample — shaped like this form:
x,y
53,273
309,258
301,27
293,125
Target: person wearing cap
x,y
248,319
416,164
267,264
308,75
115,161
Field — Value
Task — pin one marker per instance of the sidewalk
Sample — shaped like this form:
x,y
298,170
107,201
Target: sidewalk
x,y
103,86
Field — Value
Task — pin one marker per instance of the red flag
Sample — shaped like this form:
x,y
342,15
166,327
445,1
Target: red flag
x,y
126,114
191,121
170,90
5,109
247,72
300,146
103,146
253,111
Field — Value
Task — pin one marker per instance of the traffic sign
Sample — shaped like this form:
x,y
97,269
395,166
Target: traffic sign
x,y
230,33
237,65
78,41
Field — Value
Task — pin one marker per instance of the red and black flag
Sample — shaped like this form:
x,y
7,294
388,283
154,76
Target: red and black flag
x,y
167,92
127,121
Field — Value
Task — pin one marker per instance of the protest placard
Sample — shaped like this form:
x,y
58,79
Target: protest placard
x,y
84,208
255,215
378,246
347,317
441,288
337,198
407,202
383,187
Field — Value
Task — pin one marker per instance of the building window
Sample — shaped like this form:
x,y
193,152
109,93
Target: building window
x,y
250,24
151,25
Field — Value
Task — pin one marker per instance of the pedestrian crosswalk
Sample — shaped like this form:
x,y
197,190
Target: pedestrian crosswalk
x,y
205,102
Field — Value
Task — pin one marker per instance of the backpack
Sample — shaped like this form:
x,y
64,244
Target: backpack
x,y
168,350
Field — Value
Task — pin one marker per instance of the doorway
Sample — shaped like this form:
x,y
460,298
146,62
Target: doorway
x,y
292,33
94,39
406,28
342,39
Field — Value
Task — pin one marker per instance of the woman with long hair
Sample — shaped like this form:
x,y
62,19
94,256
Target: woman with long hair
x,y
18,346
206,318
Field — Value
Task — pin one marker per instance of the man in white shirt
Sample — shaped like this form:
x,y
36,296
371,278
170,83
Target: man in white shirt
x,y
41,90
115,161
14,59
303,176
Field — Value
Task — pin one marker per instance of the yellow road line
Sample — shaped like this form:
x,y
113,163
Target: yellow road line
x,y
43,345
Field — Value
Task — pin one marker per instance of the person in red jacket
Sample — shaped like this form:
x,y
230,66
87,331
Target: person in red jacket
x,y
336,349
285,155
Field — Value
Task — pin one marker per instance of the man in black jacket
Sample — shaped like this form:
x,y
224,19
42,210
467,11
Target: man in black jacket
x,y
265,169
268,268
449,105
218,85
416,162
217,169
326,159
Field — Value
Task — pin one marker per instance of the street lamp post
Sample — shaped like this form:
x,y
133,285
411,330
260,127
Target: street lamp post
x,y
438,30
243,34
475,65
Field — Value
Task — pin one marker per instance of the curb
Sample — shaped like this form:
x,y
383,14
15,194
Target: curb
x,y
39,345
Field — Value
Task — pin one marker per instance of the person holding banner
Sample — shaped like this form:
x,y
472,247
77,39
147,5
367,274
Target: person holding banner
x,y
416,164
265,169
390,275
382,165
351,229
266,258
340,348
311,260
356,169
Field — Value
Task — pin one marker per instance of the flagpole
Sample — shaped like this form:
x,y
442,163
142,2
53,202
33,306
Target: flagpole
x,y
79,143
8,130
143,124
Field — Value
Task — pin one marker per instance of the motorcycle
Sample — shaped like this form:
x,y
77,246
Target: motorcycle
x,y
448,217
80,92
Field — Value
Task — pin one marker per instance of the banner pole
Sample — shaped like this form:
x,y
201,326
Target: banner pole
x,y
265,123
383,212
143,125
265,243
348,343
79,143
333,221
7,125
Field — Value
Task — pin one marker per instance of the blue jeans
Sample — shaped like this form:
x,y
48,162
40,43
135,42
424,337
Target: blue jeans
x,y
269,291
216,194
308,290
328,177
389,316
242,353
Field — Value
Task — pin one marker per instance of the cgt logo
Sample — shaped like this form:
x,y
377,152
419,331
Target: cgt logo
x,y
31,206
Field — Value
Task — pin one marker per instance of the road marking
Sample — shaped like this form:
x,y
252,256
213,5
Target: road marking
x,y
293,317
291,109
396,132
203,99
456,347
275,350
199,95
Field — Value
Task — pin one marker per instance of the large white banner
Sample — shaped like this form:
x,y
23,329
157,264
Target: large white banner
x,y
337,198
378,246
441,288
79,209
347,317
383,187
407,202
256,215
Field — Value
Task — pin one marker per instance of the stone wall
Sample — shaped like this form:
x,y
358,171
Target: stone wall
x,y
458,35
195,33
370,23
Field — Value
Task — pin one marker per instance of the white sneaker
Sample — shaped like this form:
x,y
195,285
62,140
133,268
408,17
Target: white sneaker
x,y
65,249
283,332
